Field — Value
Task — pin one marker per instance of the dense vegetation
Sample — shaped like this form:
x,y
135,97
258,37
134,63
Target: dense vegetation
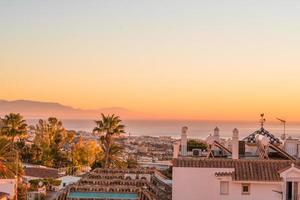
x,y
8,159
34,184
54,146
194,144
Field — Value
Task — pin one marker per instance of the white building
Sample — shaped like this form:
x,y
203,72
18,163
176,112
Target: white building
x,y
9,187
266,172
67,180
229,179
292,146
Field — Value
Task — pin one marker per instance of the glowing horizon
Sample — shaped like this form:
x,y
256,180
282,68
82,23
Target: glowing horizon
x,y
171,59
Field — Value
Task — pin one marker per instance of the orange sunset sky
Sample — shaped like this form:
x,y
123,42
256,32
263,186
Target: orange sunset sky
x,y
165,59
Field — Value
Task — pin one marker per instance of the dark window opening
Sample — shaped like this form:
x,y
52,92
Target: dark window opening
x,y
289,190
245,188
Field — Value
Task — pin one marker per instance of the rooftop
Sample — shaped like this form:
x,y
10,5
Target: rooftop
x,y
103,195
40,172
125,184
250,139
244,170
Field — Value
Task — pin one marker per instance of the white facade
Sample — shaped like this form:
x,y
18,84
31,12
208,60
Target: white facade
x,y
292,146
8,186
192,183
67,180
201,183
292,176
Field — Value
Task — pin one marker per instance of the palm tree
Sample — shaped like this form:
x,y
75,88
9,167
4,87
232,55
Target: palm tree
x,y
114,159
108,127
131,163
13,126
7,159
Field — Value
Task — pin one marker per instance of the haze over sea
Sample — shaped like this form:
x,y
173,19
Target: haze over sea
x,y
197,128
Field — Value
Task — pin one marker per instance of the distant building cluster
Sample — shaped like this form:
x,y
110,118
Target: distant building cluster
x,y
149,151
259,166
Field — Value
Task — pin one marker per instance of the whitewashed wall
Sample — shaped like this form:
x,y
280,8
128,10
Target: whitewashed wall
x,y
8,186
201,183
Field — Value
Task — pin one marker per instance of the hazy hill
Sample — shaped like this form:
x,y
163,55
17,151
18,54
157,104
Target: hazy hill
x,y
36,109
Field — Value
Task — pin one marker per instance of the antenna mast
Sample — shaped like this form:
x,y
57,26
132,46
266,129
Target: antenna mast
x,y
283,122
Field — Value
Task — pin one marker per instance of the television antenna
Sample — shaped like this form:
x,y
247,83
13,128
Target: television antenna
x,y
283,122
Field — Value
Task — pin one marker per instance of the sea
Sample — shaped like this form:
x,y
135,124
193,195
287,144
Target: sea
x,y
196,128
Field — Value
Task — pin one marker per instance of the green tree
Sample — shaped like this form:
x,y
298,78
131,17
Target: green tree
x,y
24,150
108,127
22,191
13,125
83,153
194,144
50,139
36,153
114,159
10,165
131,163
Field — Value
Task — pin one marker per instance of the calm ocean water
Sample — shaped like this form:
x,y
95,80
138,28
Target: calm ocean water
x,y
197,129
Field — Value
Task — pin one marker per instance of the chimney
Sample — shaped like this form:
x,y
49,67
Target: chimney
x,y
176,146
235,144
184,141
217,134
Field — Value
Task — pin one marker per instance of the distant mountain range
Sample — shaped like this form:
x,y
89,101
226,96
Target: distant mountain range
x,y
37,109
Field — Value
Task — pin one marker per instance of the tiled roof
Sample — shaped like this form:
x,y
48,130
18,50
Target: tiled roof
x,y
3,194
244,170
288,167
251,138
223,174
40,172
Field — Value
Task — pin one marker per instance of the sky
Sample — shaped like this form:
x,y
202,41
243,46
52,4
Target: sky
x,y
164,58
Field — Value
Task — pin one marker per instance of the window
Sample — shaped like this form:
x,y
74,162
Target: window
x,y
245,188
224,187
291,190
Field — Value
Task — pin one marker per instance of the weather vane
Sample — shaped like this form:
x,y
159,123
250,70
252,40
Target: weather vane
x,y
262,120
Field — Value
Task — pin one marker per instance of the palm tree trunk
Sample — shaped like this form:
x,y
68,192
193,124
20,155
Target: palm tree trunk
x,y
106,156
108,144
12,140
12,143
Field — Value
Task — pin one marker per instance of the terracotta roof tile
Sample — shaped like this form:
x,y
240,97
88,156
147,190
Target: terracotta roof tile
x,y
244,170
223,174
40,172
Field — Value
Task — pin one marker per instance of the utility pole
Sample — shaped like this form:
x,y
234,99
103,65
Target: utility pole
x,y
17,171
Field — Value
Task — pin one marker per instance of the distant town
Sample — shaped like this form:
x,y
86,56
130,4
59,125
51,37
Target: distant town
x,y
149,100
46,161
